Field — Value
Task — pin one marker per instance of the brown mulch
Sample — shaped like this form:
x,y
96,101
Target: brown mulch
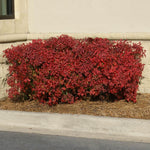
x,y
140,110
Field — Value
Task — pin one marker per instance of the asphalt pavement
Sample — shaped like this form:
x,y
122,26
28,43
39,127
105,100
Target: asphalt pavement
x,y
30,141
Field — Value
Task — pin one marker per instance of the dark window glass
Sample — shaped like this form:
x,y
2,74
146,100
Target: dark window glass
x,y
6,9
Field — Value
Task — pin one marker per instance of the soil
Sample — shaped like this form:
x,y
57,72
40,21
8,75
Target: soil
x,y
122,108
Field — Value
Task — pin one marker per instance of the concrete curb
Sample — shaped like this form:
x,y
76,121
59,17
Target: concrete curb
x,y
121,129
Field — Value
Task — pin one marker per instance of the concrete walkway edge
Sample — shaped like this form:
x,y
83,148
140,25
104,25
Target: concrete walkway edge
x,y
122,129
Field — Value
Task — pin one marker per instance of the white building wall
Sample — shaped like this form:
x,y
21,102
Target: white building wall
x,y
112,19
102,16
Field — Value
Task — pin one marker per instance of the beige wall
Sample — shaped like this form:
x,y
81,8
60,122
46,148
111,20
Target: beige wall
x,y
112,19
19,24
88,16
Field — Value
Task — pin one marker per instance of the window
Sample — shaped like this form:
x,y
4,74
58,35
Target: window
x,y
6,9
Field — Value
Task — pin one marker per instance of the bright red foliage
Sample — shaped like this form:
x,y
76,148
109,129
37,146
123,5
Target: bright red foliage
x,y
64,69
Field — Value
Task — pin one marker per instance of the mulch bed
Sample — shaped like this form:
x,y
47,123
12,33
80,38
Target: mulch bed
x,y
139,110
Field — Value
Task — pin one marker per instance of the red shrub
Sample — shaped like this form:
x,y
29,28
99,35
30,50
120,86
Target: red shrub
x,y
64,69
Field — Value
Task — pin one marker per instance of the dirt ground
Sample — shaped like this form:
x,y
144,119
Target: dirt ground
x,y
140,110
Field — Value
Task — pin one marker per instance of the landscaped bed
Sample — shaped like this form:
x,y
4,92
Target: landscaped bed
x,y
91,76
140,109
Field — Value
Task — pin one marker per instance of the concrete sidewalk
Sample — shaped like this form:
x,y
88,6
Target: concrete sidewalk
x,y
122,129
